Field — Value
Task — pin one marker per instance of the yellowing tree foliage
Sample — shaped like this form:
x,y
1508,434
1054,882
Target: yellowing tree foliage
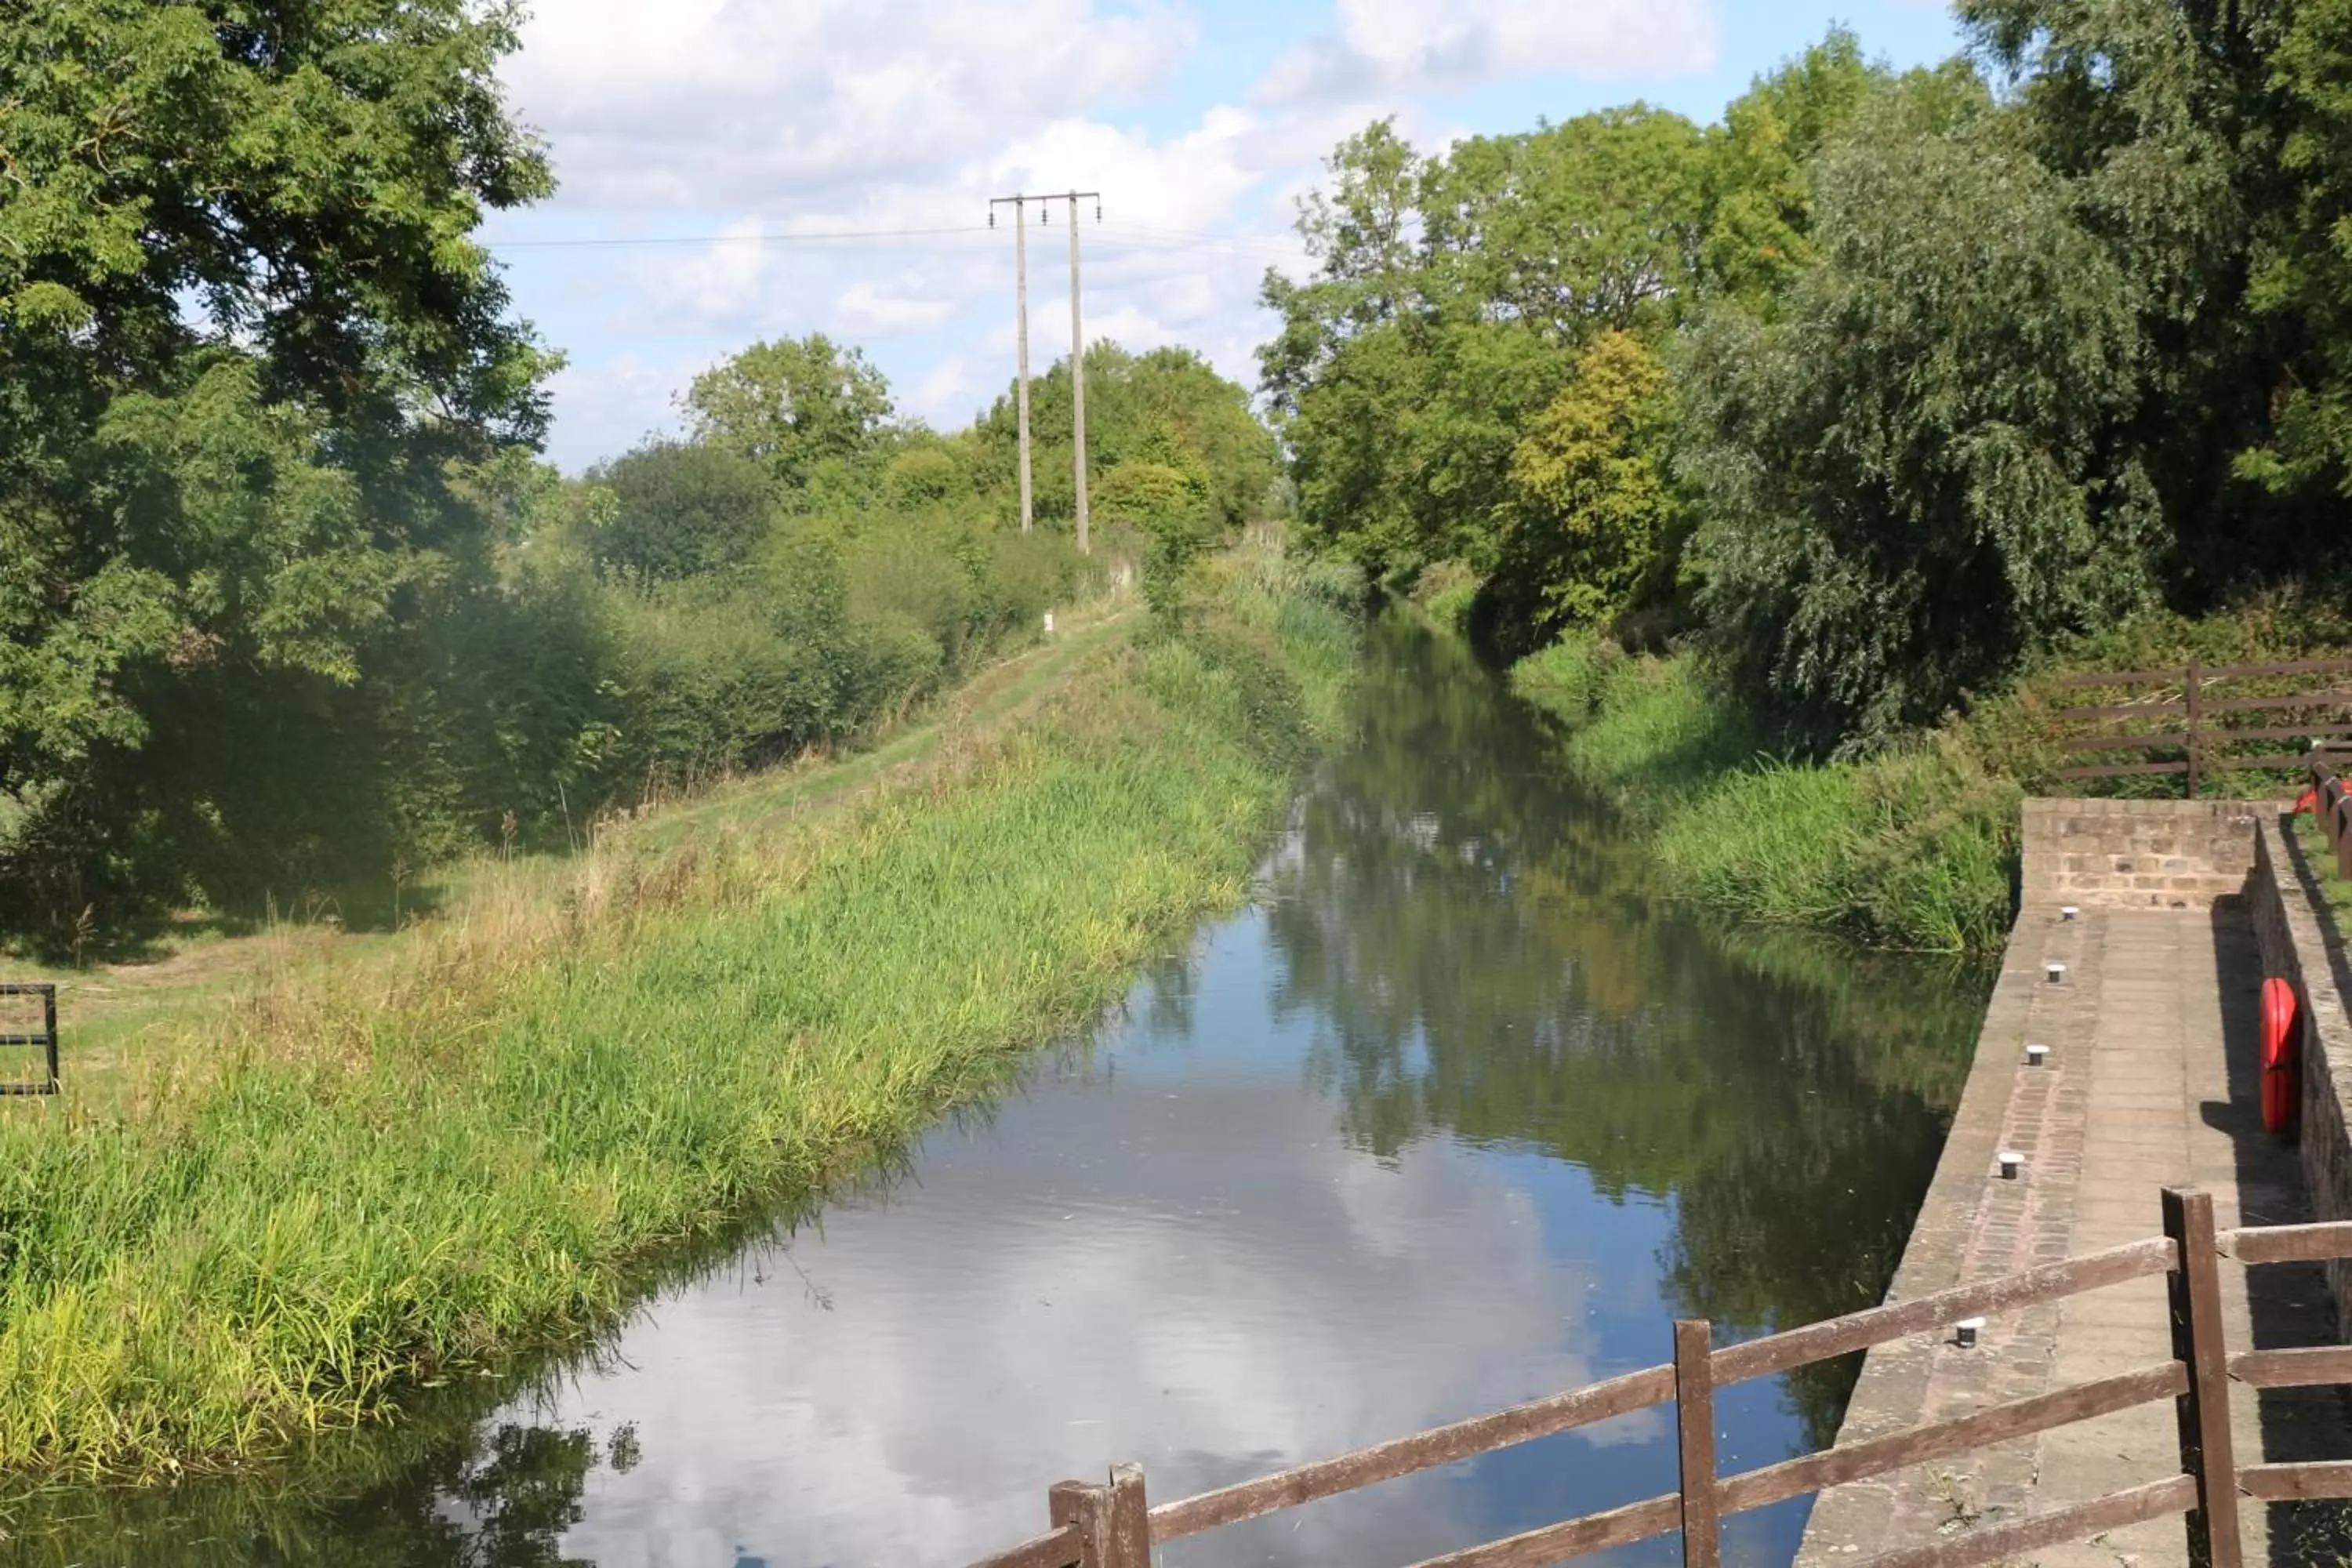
x,y
1589,500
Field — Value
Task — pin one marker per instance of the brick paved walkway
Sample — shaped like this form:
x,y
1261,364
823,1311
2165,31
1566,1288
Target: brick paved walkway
x,y
2152,1081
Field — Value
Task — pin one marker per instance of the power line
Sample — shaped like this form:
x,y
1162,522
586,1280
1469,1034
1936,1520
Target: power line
x,y
810,235
1131,236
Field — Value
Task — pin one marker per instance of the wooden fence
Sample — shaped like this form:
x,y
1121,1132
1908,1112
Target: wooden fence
x,y
1113,1526
46,1039
2201,740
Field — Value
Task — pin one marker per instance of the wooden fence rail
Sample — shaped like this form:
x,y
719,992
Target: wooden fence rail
x,y
45,1038
2195,736
1113,1525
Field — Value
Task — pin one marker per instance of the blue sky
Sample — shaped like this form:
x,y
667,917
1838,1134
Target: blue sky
x,y
703,144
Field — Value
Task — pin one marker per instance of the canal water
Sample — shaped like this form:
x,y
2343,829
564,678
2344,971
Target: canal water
x,y
1453,1115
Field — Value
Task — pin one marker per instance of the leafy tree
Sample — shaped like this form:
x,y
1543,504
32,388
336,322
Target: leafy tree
x,y
1585,227
1591,508
679,510
1136,405
1760,187
2308,275
245,344
1170,505
1362,232
1926,470
1402,405
2163,119
923,476
792,403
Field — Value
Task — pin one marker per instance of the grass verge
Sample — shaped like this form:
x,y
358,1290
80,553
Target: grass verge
x,y
351,1181
1911,849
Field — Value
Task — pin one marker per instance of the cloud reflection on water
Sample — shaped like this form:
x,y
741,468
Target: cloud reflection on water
x,y
1211,1282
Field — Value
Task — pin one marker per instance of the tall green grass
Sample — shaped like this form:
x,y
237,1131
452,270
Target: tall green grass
x,y
1910,850
365,1184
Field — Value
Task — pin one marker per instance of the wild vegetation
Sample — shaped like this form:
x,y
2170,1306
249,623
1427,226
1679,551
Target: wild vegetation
x,y
291,1211
1882,394
293,617
289,611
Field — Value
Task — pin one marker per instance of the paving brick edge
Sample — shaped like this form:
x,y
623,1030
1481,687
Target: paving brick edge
x,y
2212,836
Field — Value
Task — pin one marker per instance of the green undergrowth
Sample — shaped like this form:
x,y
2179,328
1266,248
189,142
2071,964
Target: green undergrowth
x,y
1911,849
1915,845
353,1185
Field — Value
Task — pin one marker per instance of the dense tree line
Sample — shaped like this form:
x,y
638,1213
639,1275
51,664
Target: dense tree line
x,y
1882,386
288,607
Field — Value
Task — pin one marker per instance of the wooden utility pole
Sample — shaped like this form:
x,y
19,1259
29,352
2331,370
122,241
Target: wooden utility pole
x,y
1020,205
1020,331
1079,375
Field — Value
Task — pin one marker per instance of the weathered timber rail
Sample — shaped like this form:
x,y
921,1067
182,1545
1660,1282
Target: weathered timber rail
x,y
45,1037
1112,1525
2195,735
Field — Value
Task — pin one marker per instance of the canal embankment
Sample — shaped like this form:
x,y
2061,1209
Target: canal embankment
x,y
294,1211
2144,932
1453,1113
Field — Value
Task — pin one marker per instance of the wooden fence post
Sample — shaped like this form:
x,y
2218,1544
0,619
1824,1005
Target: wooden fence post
x,y
1694,1430
2206,1451
2196,679
1114,1522
1126,1535
1075,1502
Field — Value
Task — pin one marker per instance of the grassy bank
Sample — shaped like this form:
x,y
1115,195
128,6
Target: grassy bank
x,y
1910,850
1916,846
351,1181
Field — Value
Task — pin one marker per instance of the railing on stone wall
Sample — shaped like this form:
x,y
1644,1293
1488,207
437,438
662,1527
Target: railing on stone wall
x,y
2332,805
1113,1526
2186,723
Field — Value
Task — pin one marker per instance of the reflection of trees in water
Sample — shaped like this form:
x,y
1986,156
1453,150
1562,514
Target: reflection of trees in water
x,y
461,1496
1487,962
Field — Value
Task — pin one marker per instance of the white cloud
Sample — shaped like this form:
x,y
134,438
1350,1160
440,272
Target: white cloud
x,y
1419,46
753,103
768,125
944,393
610,407
867,307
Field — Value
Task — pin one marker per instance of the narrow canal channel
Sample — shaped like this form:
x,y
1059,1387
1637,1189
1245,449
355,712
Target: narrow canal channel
x,y
1454,1115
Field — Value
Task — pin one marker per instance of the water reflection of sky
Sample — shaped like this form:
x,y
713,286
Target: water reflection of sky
x,y
1168,1256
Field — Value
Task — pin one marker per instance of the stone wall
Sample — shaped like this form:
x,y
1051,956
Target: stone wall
x,y
2303,946
2138,854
